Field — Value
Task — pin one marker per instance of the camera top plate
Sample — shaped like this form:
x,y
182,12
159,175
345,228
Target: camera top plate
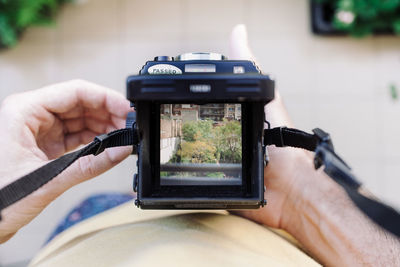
x,y
200,80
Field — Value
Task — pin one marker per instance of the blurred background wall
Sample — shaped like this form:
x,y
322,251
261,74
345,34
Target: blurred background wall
x,y
340,84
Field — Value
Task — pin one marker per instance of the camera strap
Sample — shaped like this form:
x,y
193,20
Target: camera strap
x,y
34,180
320,143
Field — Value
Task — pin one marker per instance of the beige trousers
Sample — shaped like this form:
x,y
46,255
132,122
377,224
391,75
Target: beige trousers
x,y
127,236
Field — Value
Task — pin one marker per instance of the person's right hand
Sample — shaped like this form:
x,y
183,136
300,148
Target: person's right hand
x,y
311,206
290,170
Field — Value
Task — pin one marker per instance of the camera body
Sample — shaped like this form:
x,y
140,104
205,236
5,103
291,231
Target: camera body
x,y
200,121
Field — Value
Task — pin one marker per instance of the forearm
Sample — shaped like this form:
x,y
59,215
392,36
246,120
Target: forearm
x,y
332,228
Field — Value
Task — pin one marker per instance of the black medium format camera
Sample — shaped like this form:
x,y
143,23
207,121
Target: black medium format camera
x,y
200,121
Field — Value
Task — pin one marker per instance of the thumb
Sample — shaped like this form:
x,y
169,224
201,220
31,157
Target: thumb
x,y
239,45
239,49
91,166
23,211
81,170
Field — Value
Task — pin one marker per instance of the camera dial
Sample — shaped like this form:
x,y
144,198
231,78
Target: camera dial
x,y
200,56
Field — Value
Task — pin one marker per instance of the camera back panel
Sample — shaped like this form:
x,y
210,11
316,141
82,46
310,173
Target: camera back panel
x,y
201,127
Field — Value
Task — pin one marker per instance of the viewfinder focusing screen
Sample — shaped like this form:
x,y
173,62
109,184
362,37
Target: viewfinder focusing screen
x,y
200,144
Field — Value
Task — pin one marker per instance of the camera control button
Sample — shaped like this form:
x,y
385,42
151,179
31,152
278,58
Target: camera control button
x,y
135,182
163,58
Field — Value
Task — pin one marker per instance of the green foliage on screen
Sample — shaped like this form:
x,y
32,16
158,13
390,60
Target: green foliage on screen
x,y
197,152
17,15
197,130
204,142
363,17
228,141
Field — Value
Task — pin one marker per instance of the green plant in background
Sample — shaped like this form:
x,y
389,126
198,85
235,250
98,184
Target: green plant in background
x,y
17,15
363,17
393,91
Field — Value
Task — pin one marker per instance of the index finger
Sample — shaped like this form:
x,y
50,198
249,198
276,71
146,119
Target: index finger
x,y
62,97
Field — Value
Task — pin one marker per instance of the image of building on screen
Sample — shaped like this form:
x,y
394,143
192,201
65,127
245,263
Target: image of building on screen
x,y
206,137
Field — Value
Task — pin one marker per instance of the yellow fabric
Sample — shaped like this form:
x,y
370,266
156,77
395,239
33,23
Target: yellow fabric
x,y
127,236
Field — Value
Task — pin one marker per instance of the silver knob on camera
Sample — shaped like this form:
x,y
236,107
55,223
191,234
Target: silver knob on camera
x,y
200,56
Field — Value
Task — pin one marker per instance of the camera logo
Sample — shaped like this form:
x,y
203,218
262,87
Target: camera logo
x,y
164,69
200,88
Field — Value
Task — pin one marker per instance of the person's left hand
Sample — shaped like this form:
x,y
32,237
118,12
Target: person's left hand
x,y
39,126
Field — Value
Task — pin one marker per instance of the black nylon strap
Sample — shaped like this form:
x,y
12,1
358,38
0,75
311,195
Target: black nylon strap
x,y
382,214
34,180
282,136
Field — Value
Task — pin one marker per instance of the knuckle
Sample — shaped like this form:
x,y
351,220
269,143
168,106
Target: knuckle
x,y
76,83
111,157
10,102
87,167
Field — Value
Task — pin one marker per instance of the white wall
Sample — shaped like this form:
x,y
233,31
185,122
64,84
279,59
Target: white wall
x,y
167,148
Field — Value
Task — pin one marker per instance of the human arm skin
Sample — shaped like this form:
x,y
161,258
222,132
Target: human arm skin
x,y
310,205
321,216
41,125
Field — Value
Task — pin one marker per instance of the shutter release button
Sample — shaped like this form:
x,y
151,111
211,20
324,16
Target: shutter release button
x,y
163,58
